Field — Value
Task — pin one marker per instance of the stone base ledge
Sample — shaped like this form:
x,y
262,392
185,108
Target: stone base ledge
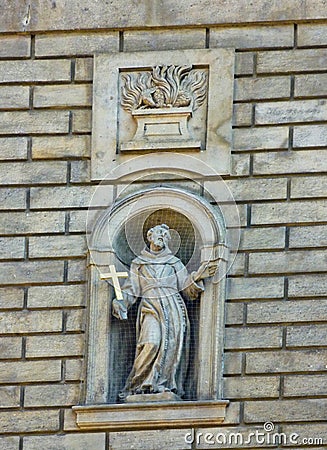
x,y
151,415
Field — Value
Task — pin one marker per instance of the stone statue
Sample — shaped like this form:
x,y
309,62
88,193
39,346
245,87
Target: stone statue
x,y
158,277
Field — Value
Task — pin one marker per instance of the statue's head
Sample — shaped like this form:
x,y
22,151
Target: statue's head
x,y
158,237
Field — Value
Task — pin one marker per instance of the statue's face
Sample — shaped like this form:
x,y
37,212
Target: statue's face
x,y
158,238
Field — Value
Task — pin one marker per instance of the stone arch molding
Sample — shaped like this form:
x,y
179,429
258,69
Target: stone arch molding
x,y
209,222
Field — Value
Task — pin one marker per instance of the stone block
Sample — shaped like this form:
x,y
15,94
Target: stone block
x,y
307,285
74,370
232,363
305,385
262,138
81,121
168,39
31,272
262,88
151,440
32,222
304,161
29,421
14,97
237,266
240,165
61,96
310,136
12,247
312,186
314,236
244,63
306,336
255,189
234,313
285,312
84,69
253,338
247,288
36,122
310,34
75,320
51,395
288,213
34,70
286,361
13,148
9,442
262,238
233,413
251,387
10,347
9,396
313,430
12,198
289,112
57,246
308,410
55,345
15,46
70,420
77,270
287,262
242,114
80,172
78,441
15,322
60,147
77,220
11,298
33,172
291,61
30,371
62,296
76,43
313,85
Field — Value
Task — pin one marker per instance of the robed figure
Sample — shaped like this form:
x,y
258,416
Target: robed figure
x,y
157,277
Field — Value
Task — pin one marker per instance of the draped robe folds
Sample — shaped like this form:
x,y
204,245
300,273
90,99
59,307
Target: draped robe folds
x,y
162,327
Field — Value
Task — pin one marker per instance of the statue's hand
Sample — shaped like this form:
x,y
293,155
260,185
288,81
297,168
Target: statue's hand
x,y
119,310
206,270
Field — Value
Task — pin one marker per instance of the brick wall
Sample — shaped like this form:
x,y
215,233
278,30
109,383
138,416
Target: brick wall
x,y
276,312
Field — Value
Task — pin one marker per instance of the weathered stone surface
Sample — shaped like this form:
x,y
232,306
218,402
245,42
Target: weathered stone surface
x,y
295,61
307,285
260,138
56,296
75,320
30,371
13,198
318,430
60,147
80,441
305,161
262,88
12,247
81,121
80,172
242,114
60,96
308,236
33,172
251,387
34,70
13,148
171,39
309,187
232,363
9,396
84,69
32,222
38,122
57,246
304,385
313,85
10,347
77,270
311,34
11,298
51,395
31,272
56,345
30,321
306,336
10,442
244,338
310,136
286,361
240,165
74,370
151,440
240,288
234,313
28,421
262,238
244,63
14,97
15,46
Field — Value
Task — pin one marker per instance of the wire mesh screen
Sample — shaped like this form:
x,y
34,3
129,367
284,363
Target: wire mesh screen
x,y
130,240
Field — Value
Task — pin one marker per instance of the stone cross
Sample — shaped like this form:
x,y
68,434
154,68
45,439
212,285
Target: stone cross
x,y
115,280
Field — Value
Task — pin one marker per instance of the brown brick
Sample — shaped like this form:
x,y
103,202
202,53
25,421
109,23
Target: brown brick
x,y
313,85
244,63
61,96
288,213
56,296
242,114
10,347
31,272
28,421
291,311
34,70
304,385
151,440
74,370
11,298
313,236
82,121
232,363
262,88
9,396
171,39
33,172
286,361
12,198
25,122
252,36
30,321
262,238
14,97
75,320
290,162
51,395
243,338
251,387
311,34
54,345
15,46
292,61
82,441
30,371
239,288
76,270
310,136
76,44
285,410
306,336
307,286
80,172
61,147
32,222
12,248
57,246
84,69
13,148
234,313
309,187
288,112
262,138
285,262
9,442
